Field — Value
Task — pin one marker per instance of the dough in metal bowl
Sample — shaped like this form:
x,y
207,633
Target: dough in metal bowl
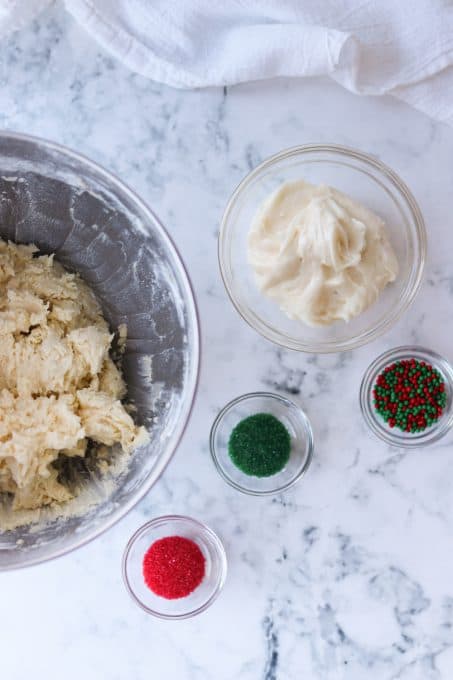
x,y
60,390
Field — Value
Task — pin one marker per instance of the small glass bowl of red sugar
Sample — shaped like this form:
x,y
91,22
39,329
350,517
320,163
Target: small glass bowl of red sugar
x,y
410,389
174,567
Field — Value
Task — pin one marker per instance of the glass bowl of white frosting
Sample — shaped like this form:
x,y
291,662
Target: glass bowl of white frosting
x,y
322,248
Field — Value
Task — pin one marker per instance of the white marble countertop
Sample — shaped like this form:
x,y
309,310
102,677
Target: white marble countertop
x,y
348,575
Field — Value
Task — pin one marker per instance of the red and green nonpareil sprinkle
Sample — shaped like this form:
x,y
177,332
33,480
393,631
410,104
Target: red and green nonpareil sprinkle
x,y
410,395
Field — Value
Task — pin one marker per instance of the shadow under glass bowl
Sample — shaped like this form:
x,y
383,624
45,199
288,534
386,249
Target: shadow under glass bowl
x,y
68,205
367,181
376,423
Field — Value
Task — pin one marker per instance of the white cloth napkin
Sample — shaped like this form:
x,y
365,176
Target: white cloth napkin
x,y
400,47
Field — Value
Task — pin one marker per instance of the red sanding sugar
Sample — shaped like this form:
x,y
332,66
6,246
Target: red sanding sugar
x,y
173,567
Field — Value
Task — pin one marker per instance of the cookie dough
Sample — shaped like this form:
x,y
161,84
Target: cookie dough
x,y
59,387
320,255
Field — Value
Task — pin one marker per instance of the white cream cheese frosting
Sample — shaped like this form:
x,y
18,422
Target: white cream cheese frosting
x,y
320,255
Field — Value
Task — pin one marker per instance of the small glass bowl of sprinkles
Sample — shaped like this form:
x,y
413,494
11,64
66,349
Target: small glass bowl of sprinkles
x,y
261,443
406,396
174,567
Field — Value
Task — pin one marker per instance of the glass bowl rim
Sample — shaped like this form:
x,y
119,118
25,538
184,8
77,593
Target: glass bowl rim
x,y
200,528
194,376
255,322
433,434
308,431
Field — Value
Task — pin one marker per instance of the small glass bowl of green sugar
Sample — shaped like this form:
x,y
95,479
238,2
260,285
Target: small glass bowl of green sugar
x,y
261,443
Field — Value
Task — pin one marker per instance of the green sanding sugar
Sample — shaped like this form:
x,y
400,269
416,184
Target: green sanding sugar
x,y
260,445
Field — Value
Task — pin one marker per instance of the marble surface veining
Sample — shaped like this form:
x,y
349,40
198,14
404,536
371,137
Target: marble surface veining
x,y
349,574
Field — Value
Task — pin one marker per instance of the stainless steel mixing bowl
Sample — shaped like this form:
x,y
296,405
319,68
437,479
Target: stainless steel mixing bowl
x,y
98,227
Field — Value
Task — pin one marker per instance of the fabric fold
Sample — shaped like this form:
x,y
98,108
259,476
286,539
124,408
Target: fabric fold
x,y
371,47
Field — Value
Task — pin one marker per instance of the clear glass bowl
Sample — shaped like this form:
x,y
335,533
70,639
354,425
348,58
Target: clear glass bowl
x,y
292,417
97,226
215,567
377,424
368,181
